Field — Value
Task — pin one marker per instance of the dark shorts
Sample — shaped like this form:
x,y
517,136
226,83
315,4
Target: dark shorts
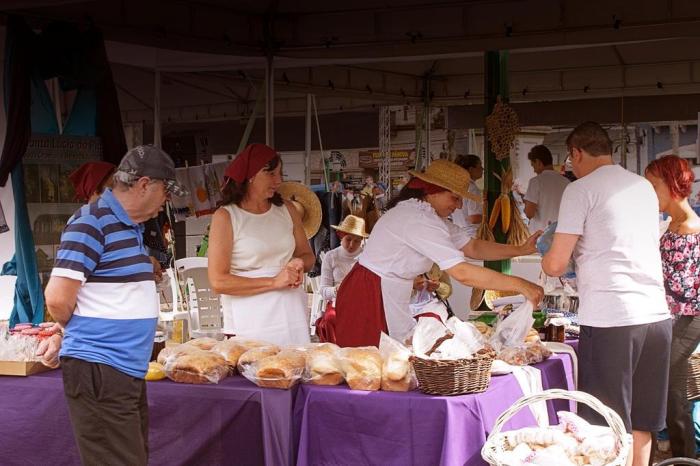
x,y
109,413
627,369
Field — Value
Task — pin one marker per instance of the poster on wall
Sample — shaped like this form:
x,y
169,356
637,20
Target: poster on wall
x,y
49,193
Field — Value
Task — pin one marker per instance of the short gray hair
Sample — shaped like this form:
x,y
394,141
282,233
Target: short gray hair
x,y
124,179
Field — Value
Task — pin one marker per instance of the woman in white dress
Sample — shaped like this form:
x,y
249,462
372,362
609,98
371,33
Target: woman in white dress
x,y
337,263
258,252
469,216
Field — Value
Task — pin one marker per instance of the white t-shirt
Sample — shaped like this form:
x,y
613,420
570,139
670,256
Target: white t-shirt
x,y
545,190
460,217
618,263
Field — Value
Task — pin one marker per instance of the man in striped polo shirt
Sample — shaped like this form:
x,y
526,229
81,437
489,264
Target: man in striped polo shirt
x,y
102,290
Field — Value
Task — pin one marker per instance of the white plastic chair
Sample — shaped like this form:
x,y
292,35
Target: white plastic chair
x,y
204,305
318,304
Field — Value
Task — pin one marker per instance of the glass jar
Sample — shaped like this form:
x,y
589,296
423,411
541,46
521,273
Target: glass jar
x,y
555,327
158,344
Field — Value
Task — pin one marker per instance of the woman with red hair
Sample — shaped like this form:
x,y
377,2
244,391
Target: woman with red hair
x,y
672,179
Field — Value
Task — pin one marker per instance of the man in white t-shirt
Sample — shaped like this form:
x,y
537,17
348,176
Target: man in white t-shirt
x,y
608,221
544,192
469,216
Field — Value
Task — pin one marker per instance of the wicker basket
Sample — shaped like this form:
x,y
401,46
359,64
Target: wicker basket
x,y
694,376
454,377
494,448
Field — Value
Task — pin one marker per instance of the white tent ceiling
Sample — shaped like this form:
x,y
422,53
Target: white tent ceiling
x,y
360,54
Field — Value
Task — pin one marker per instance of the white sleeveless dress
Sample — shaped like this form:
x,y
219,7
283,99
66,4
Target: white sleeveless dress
x,y
262,245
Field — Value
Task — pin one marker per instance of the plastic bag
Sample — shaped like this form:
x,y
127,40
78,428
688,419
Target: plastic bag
x,y
426,333
254,355
397,371
323,365
196,367
362,367
512,330
205,343
282,370
544,243
234,347
467,334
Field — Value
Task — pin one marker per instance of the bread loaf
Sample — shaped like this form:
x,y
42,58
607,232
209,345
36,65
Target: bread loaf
x,y
204,343
256,354
197,367
323,366
234,347
362,368
396,373
281,370
171,352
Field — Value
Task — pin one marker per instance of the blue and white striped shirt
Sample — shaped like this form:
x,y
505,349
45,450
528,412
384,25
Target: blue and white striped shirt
x,y
117,306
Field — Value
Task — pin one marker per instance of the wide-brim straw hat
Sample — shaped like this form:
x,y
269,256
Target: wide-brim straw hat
x,y
447,175
306,202
352,225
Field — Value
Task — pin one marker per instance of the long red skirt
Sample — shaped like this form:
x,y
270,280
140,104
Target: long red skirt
x,y
325,325
359,309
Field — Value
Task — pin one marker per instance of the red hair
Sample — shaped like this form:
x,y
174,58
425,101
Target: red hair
x,y
675,173
340,234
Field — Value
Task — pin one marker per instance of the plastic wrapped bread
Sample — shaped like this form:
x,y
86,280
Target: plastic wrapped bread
x,y
281,370
234,347
397,372
205,343
362,367
196,367
256,354
170,352
323,365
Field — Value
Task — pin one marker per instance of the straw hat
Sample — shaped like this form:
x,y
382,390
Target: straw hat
x,y
352,225
306,203
447,175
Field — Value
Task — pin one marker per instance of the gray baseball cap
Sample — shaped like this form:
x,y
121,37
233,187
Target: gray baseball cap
x,y
153,162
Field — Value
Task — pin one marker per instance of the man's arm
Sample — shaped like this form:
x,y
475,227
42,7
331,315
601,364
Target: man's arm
x,y
61,295
530,209
557,258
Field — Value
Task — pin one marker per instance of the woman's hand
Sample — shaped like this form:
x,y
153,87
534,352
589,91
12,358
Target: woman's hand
x,y
533,293
288,277
530,246
48,351
420,283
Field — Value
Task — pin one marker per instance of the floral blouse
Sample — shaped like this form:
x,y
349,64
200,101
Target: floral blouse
x,y
680,255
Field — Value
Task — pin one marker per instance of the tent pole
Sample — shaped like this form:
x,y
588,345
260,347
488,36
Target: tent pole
x,y
251,120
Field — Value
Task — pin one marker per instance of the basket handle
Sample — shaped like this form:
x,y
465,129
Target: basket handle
x,y
610,416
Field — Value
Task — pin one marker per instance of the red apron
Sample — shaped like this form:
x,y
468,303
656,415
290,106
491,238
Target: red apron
x,y
325,325
359,309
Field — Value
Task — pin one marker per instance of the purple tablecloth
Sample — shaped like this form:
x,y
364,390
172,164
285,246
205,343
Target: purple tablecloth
x,y
234,422
340,426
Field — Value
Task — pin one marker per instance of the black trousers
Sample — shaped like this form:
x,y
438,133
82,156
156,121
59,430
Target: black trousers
x,y
681,430
109,413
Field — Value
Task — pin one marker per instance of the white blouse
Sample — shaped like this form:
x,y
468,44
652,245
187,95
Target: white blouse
x,y
409,238
335,267
405,243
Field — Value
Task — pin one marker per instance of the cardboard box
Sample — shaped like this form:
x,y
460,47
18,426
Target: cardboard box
x,y
22,368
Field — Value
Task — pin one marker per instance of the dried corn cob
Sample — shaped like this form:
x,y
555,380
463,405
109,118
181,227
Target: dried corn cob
x,y
495,212
505,212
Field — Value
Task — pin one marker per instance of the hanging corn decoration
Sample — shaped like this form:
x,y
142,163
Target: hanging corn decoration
x,y
485,232
502,127
502,207
518,233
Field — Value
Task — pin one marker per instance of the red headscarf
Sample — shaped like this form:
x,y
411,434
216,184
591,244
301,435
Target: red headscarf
x,y
253,158
88,177
427,188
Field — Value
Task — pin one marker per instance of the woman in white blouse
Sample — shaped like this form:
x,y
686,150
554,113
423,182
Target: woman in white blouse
x,y
337,263
412,235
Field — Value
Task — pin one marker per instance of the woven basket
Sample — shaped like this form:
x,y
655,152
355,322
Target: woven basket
x,y
694,376
494,448
454,377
